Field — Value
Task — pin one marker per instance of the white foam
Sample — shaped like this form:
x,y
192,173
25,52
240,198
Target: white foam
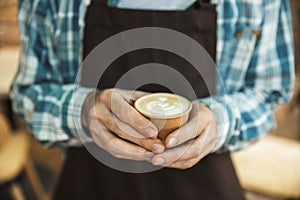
x,y
161,107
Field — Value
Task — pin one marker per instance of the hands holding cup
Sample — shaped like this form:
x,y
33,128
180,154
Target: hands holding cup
x,y
117,127
129,133
187,145
187,142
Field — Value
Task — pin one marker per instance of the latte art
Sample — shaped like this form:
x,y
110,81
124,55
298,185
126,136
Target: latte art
x,y
159,108
166,111
162,105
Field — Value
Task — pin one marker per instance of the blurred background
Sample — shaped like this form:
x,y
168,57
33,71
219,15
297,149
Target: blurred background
x,y
268,170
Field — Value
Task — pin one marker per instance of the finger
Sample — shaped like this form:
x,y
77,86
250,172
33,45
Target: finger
x,y
198,122
199,147
116,146
125,131
188,163
155,144
186,151
129,95
184,164
111,122
126,113
132,95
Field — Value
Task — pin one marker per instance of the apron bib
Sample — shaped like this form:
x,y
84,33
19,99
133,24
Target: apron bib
x,y
84,177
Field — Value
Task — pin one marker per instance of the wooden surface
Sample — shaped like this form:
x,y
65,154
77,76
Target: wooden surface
x,y
15,159
9,32
4,130
13,156
14,149
270,167
9,43
8,66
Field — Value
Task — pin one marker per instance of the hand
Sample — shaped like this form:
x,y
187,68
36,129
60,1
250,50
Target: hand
x,y
191,142
119,129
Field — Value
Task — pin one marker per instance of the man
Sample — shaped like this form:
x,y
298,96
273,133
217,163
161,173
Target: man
x,y
254,53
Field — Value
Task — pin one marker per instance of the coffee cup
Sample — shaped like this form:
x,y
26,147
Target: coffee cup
x,y
165,110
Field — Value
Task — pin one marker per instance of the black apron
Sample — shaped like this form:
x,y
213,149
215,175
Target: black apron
x,y
84,177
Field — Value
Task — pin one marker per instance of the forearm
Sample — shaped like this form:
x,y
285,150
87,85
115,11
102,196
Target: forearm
x,y
244,116
52,112
258,77
43,91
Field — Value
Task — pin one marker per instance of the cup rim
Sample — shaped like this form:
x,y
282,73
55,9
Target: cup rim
x,y
162,117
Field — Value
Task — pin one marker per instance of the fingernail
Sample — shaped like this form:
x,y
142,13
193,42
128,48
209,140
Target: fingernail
x,y
150,131
172,142
149,154
159,161
157,147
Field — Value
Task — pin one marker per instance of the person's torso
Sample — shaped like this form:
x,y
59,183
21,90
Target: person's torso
x,y
66,33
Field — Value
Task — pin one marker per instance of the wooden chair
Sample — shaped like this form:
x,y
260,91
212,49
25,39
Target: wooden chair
x,y
15,159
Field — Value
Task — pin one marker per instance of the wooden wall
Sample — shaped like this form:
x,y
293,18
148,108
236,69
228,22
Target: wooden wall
x,y
9,32
295,7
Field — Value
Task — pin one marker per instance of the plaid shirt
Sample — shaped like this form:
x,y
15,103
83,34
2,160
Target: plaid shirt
x,y
254,56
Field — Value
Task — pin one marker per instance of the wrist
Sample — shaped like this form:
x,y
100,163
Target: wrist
x,y
222,118
88,104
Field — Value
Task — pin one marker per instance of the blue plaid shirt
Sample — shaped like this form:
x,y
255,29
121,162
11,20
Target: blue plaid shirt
x,y
254,55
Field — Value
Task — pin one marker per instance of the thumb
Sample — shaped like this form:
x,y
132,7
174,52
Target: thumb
x,y
133,95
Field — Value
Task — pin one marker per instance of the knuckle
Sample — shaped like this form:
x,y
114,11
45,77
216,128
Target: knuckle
x,y
131,112
114,142
107,95
103,122
139,121
145,143
194,151
111,124
122,112
103,95
196,131
134,114
115,127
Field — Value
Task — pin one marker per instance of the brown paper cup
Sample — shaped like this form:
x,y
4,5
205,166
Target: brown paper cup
x,y
165,124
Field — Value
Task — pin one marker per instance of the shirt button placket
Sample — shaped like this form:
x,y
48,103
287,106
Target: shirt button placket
x,y
239,33
256,32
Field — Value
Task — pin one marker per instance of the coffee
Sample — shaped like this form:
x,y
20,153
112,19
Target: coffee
x,y
167,111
